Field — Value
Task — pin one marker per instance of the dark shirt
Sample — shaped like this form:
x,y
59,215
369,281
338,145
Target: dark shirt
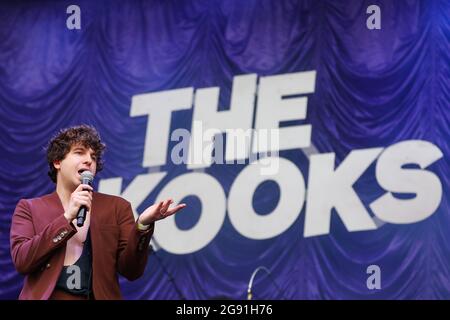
x,y
68,281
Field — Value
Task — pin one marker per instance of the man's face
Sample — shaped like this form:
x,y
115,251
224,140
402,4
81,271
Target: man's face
x,y
76,161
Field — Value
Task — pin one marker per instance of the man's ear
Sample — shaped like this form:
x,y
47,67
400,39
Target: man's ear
x,y
57,164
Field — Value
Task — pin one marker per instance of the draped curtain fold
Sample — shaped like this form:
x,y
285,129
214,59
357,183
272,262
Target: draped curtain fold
x,y
373,88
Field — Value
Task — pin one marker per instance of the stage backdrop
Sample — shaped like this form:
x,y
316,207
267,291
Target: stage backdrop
x,y
353,202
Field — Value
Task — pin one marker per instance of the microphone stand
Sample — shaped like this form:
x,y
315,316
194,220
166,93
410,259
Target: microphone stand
x,y
250,284
167,273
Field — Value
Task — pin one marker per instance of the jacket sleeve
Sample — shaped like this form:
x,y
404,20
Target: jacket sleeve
x,y
133,244
29,250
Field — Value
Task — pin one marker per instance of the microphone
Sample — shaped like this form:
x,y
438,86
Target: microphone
x,y
86,178
250,284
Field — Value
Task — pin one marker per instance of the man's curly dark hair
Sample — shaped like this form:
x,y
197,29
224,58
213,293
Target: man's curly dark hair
x,y
60,145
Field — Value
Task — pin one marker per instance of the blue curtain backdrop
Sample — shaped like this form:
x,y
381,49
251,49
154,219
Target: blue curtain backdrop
x,y
373,88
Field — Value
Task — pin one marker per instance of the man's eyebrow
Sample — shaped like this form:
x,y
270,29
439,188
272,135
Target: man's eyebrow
x,y
83,148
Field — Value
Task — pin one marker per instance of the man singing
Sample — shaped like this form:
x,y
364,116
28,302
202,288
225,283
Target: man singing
x,y
63,261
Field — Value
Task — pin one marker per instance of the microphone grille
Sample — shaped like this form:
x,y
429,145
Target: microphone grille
x,y
87,175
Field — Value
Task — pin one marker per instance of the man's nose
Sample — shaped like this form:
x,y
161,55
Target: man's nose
x,y
87,160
